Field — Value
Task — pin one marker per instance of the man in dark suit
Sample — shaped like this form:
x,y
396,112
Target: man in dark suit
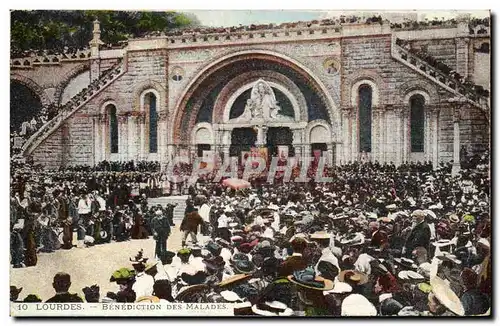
x,y
61,284
420,234
296,262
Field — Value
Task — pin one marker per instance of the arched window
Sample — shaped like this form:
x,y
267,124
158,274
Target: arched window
x,y
365,118
150,104
113,128
417,120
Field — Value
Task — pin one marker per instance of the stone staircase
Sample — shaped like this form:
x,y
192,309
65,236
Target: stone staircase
x,y
73,105
179,200
447,82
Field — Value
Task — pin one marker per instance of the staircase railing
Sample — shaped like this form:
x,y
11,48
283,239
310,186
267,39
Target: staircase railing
x,y
448,82
73,105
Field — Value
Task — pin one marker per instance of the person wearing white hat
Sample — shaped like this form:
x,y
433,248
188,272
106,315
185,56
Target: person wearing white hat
x,y
357,305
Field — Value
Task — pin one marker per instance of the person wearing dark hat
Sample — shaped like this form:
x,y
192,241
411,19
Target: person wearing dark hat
x,y
163,290
61,285
310,290
32,298
14,293
296,262
143,285
91,293
64,219
161,231
420,234
474,301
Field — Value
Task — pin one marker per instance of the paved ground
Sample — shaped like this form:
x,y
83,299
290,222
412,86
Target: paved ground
x,y
86,266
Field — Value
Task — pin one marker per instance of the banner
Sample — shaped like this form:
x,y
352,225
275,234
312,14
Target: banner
x,y
143,309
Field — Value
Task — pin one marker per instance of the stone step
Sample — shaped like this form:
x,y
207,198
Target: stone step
x,y
179,200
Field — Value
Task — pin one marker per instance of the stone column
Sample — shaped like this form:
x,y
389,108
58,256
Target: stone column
x,y
404,120
141,121
297,143
104,136
123,137
354,135
456,141
428,136
162,136
97,138
395,140
131,138
345,136
226,143
376,134
435,136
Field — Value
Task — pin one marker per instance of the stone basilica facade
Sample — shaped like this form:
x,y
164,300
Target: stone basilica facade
x,y
352,91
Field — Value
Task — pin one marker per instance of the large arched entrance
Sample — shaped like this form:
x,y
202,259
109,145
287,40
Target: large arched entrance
x,y
24,105
222,91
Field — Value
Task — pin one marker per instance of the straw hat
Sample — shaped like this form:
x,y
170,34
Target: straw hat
x,y
353,276
446,296
320,235
410,276
234,279
230,296
340,287
327,284
188,290
148,298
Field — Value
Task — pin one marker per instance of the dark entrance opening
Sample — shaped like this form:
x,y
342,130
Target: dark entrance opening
x,y
242,140
279,136
24,105
318,146
201,148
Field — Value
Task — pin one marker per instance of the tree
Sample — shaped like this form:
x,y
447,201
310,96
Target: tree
x,y
56,29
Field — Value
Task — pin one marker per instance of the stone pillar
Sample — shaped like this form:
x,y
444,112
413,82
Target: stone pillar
x,y
456,141
123,137
97,138
298,143
354,135
462,56
329,153
404,120
226,143
376,134
131,138
344,154
104,136
162,136
398,136
435,136
428,136
141,120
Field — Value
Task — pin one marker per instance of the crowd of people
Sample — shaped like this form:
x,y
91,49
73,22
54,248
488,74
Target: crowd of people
x,y
378,240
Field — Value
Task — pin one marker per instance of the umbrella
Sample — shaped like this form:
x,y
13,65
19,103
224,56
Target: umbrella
x,y
236,184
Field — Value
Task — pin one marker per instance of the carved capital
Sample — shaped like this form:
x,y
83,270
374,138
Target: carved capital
x,y
162,115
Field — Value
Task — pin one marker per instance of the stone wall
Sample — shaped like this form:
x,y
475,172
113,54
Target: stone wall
x,y
441,49
50,151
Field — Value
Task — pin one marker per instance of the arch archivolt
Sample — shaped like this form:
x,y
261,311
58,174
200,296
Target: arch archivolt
x,y
67,79
37,89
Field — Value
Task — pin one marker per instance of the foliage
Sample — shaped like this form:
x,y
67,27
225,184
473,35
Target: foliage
x,y
56,29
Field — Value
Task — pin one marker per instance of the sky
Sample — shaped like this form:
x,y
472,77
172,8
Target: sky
x,y
224,18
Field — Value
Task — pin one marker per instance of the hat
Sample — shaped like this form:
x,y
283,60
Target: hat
x,y
406,262
320,235
103,234
122,274
468,218
185,292
184,252
272,308
484,242
236,238
166,257
232,280
353,276
410,276
418,213
446,296
32,298
353,239
442,243
94,289
148,299
230,296
213,248
14,290
307,278
151,265
243,266
340,287
214,263
357,305
453,218
391,206
424,287
158,212
449,257
139,258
